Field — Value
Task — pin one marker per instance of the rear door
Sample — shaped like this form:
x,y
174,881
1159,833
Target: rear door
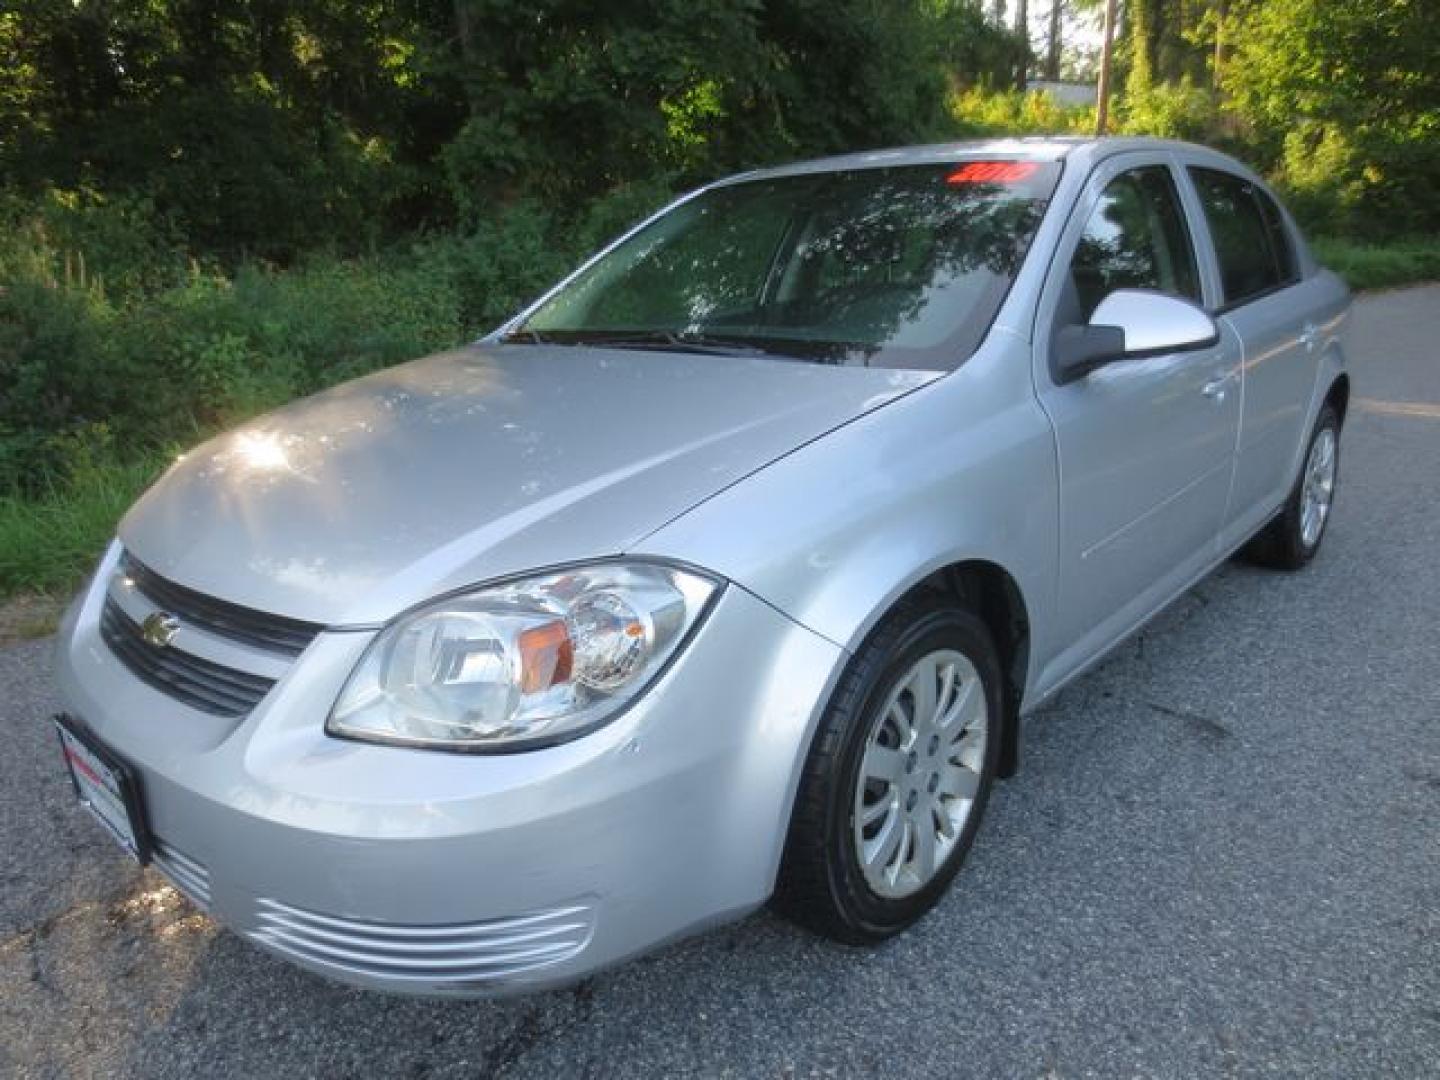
x,y
1262,301
1146,446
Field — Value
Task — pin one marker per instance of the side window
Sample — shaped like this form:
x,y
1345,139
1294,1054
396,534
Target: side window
x,y
1251,243
1135,238
1285,262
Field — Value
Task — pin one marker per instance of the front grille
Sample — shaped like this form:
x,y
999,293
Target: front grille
x,y
453,954
202,684
275,633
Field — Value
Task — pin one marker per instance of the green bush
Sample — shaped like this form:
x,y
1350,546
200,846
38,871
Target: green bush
x,y
978,112
332,320
1342,101
1362,182
496,268
204,353
50,339
1171,111
1372,266
616,212
122,246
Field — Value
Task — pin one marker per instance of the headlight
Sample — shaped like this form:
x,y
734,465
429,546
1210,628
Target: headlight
x,y
523,663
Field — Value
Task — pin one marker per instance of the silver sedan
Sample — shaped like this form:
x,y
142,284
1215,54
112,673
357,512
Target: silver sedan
x,y
723,573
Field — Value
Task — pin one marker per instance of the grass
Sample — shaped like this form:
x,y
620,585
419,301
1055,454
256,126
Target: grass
x,y
1381,266
48,544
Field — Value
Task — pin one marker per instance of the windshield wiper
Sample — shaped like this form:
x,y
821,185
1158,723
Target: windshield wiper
x,y
670,341
524,337
663,340
704,342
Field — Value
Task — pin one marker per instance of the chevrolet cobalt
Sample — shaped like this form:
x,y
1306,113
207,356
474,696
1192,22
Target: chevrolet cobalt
x,y
723,573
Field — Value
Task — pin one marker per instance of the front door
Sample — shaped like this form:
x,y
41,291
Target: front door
x,y
1146,446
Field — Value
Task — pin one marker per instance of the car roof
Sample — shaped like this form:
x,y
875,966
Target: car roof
x,y
1047,148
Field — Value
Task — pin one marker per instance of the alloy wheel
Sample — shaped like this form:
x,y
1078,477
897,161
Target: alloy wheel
x,y
1319,487
920,773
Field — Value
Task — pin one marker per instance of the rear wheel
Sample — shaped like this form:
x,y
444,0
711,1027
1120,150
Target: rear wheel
x,y
897,778
1293,537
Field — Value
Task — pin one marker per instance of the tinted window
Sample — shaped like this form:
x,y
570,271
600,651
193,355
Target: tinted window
x,y
901,267
1135,238
1251,243
1284,250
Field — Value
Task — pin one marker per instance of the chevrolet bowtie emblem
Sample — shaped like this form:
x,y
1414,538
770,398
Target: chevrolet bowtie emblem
x,y
159,628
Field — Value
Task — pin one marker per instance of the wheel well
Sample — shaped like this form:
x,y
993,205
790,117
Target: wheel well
x,y
1338,396
989,591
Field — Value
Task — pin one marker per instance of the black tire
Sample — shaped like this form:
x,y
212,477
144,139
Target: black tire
x,y
1281,544
821,884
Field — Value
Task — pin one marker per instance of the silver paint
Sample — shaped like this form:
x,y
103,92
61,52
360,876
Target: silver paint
x,y
381,493
821,494
1155,323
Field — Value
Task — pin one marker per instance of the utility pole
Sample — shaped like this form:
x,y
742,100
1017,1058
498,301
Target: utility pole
x,y
1107,51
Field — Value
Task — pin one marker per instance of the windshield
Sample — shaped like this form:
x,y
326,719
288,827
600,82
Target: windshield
x,y
894,267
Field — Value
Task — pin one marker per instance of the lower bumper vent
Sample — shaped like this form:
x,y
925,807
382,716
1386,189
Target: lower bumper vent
x,y
187,875
456,954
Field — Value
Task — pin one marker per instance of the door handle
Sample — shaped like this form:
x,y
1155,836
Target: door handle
x,y
1215,388
1310,336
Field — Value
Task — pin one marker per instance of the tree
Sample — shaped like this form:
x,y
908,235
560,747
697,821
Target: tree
x,y
1022,31
1146,31
1053,42
1221,32
269,127
1107,64
1345,100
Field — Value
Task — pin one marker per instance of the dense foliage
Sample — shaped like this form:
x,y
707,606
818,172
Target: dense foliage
x,y
162,159
270,127
209,207
1338,100
1344,97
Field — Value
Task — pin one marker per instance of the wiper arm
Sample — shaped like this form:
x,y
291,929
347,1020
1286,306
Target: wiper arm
x,y
737,344
705,344
661,340
669,341
524,337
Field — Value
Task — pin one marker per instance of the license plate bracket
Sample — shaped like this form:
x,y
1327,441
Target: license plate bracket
x,y
105,786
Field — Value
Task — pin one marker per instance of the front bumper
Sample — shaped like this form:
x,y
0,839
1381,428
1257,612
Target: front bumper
x,y
424,872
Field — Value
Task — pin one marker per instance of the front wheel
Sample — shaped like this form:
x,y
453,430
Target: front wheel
x,y
1291,540
897,778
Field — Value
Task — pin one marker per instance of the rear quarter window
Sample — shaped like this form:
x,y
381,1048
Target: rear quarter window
x,y
1252,244
1280,242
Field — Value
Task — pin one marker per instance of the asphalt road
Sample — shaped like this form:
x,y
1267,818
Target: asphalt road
x,y
1221,858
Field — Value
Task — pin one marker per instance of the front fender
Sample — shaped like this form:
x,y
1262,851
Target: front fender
x,y
835,532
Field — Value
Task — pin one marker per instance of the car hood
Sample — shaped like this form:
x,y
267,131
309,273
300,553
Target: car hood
x,y
350,506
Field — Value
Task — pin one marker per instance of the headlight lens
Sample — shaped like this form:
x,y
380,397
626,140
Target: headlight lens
x,y
523,663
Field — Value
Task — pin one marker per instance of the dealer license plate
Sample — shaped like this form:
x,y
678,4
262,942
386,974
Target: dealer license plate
x,y
105,786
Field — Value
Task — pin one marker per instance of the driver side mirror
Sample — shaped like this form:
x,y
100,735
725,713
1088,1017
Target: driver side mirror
x,y
1131,323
